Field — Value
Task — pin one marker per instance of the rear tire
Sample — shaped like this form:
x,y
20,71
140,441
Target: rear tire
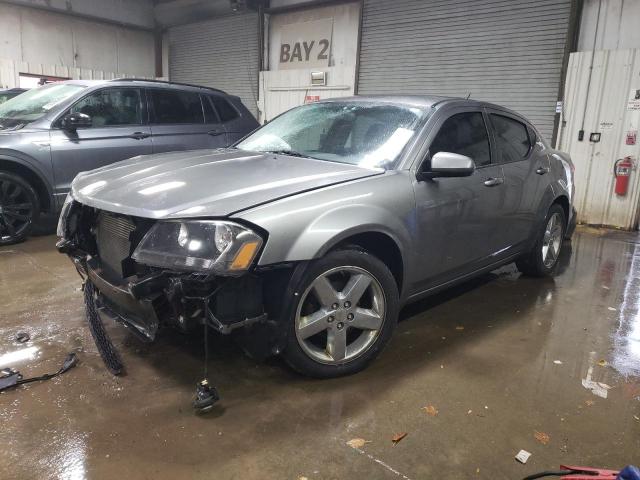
x,y
19,208
542,259
345,311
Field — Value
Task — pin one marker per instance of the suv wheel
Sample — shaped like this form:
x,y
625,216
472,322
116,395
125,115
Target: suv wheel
x,y
346,311
19,208
543,257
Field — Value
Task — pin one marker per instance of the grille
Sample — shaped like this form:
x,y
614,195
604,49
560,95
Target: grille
x,y
113,242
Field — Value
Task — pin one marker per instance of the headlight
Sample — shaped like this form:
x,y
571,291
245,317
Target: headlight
x,y
209,246
61,231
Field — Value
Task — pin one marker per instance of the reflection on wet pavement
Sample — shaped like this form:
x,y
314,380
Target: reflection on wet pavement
x,y
501,358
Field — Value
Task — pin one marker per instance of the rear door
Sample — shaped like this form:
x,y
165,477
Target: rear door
x,y
525,167
119,131
457,217
238,122
180,120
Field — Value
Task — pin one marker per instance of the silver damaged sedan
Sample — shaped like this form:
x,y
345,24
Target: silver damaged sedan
x,y
307,237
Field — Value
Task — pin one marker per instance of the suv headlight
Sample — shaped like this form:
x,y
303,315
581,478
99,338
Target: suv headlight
x,y
61,231
209,246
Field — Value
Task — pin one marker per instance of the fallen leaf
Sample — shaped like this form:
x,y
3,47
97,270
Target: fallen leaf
x,y
431,410
542,437
398,437
459,327
357,442
602,363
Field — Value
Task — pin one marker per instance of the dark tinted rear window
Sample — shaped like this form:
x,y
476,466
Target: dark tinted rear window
x,y
174,106
225,109
512,138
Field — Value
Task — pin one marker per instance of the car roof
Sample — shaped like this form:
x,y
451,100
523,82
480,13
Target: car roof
x,y
144,82
420,101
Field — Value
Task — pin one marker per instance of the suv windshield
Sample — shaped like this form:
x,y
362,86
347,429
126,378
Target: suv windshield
x,y
360,133
34,104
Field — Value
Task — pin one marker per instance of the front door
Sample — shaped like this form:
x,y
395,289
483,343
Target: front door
x,y
457,217
178,121
118,131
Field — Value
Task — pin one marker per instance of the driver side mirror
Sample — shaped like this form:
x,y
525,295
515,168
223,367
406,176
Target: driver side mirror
x,y
73,121
447,164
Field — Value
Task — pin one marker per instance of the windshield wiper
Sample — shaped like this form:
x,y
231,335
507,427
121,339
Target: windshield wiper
x,y
291,153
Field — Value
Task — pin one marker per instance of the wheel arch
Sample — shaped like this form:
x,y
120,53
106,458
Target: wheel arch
x,y
379,244
33,177
563,201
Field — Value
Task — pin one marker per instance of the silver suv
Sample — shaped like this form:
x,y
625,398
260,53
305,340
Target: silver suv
x,y
307,237
49,134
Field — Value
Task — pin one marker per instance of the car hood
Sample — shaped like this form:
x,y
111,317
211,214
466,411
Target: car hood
x,y
205,183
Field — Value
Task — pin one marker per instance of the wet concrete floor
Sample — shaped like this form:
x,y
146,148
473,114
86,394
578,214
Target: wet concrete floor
x,y
501,359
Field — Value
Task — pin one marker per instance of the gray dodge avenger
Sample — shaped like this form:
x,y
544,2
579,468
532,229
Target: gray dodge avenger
x,y
307,237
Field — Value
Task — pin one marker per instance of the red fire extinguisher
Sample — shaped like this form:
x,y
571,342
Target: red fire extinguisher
x,y
622,171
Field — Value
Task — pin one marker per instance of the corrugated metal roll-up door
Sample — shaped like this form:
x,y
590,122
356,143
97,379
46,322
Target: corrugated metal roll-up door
x,y
220,53
505,51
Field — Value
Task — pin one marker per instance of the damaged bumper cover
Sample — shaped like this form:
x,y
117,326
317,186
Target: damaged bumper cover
x,y
178,299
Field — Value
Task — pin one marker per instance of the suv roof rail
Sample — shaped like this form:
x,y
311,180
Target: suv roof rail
x,y
153,80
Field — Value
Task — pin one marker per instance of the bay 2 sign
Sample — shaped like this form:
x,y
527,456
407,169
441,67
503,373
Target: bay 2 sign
x,y
306,44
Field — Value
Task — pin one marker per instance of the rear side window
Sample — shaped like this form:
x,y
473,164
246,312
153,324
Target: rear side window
x,y
225,109
512,138
464,134
210,115
174,106
111,107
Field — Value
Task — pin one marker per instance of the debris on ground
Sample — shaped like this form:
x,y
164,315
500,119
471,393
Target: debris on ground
x,y
542,437
558,362
603,363
469,412
611,309
597,388
637,418
523,456
398,437
22,337
459,327
358,442
589,403
430,410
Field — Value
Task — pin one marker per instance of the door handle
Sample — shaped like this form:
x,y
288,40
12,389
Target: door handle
x,y
492,182
139,135
542,170
215,133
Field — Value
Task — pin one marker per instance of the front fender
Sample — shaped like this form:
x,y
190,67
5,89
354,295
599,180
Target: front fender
x,y
307,225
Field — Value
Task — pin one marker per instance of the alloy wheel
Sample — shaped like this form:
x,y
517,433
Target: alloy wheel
x,y
552,240
340,315
16,209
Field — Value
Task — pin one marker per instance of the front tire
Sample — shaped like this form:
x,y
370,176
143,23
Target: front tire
x,y
345,312
542,259
19,208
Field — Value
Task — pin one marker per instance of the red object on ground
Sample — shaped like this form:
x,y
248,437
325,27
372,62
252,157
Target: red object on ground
x,y
590,473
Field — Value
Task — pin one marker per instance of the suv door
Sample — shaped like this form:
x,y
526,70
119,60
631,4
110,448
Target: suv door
x,y
236,124
118,131
525,165
457,217
178,121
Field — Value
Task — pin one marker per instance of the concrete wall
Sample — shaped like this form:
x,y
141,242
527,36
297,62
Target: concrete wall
x,y
618,25
40,36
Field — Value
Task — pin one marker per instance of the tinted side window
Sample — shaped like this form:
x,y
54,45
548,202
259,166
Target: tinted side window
x,y
174,106
210,115
111,107
224,108
512,138
465,134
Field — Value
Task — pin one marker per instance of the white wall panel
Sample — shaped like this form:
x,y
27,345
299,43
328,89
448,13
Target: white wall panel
x,y
615,73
